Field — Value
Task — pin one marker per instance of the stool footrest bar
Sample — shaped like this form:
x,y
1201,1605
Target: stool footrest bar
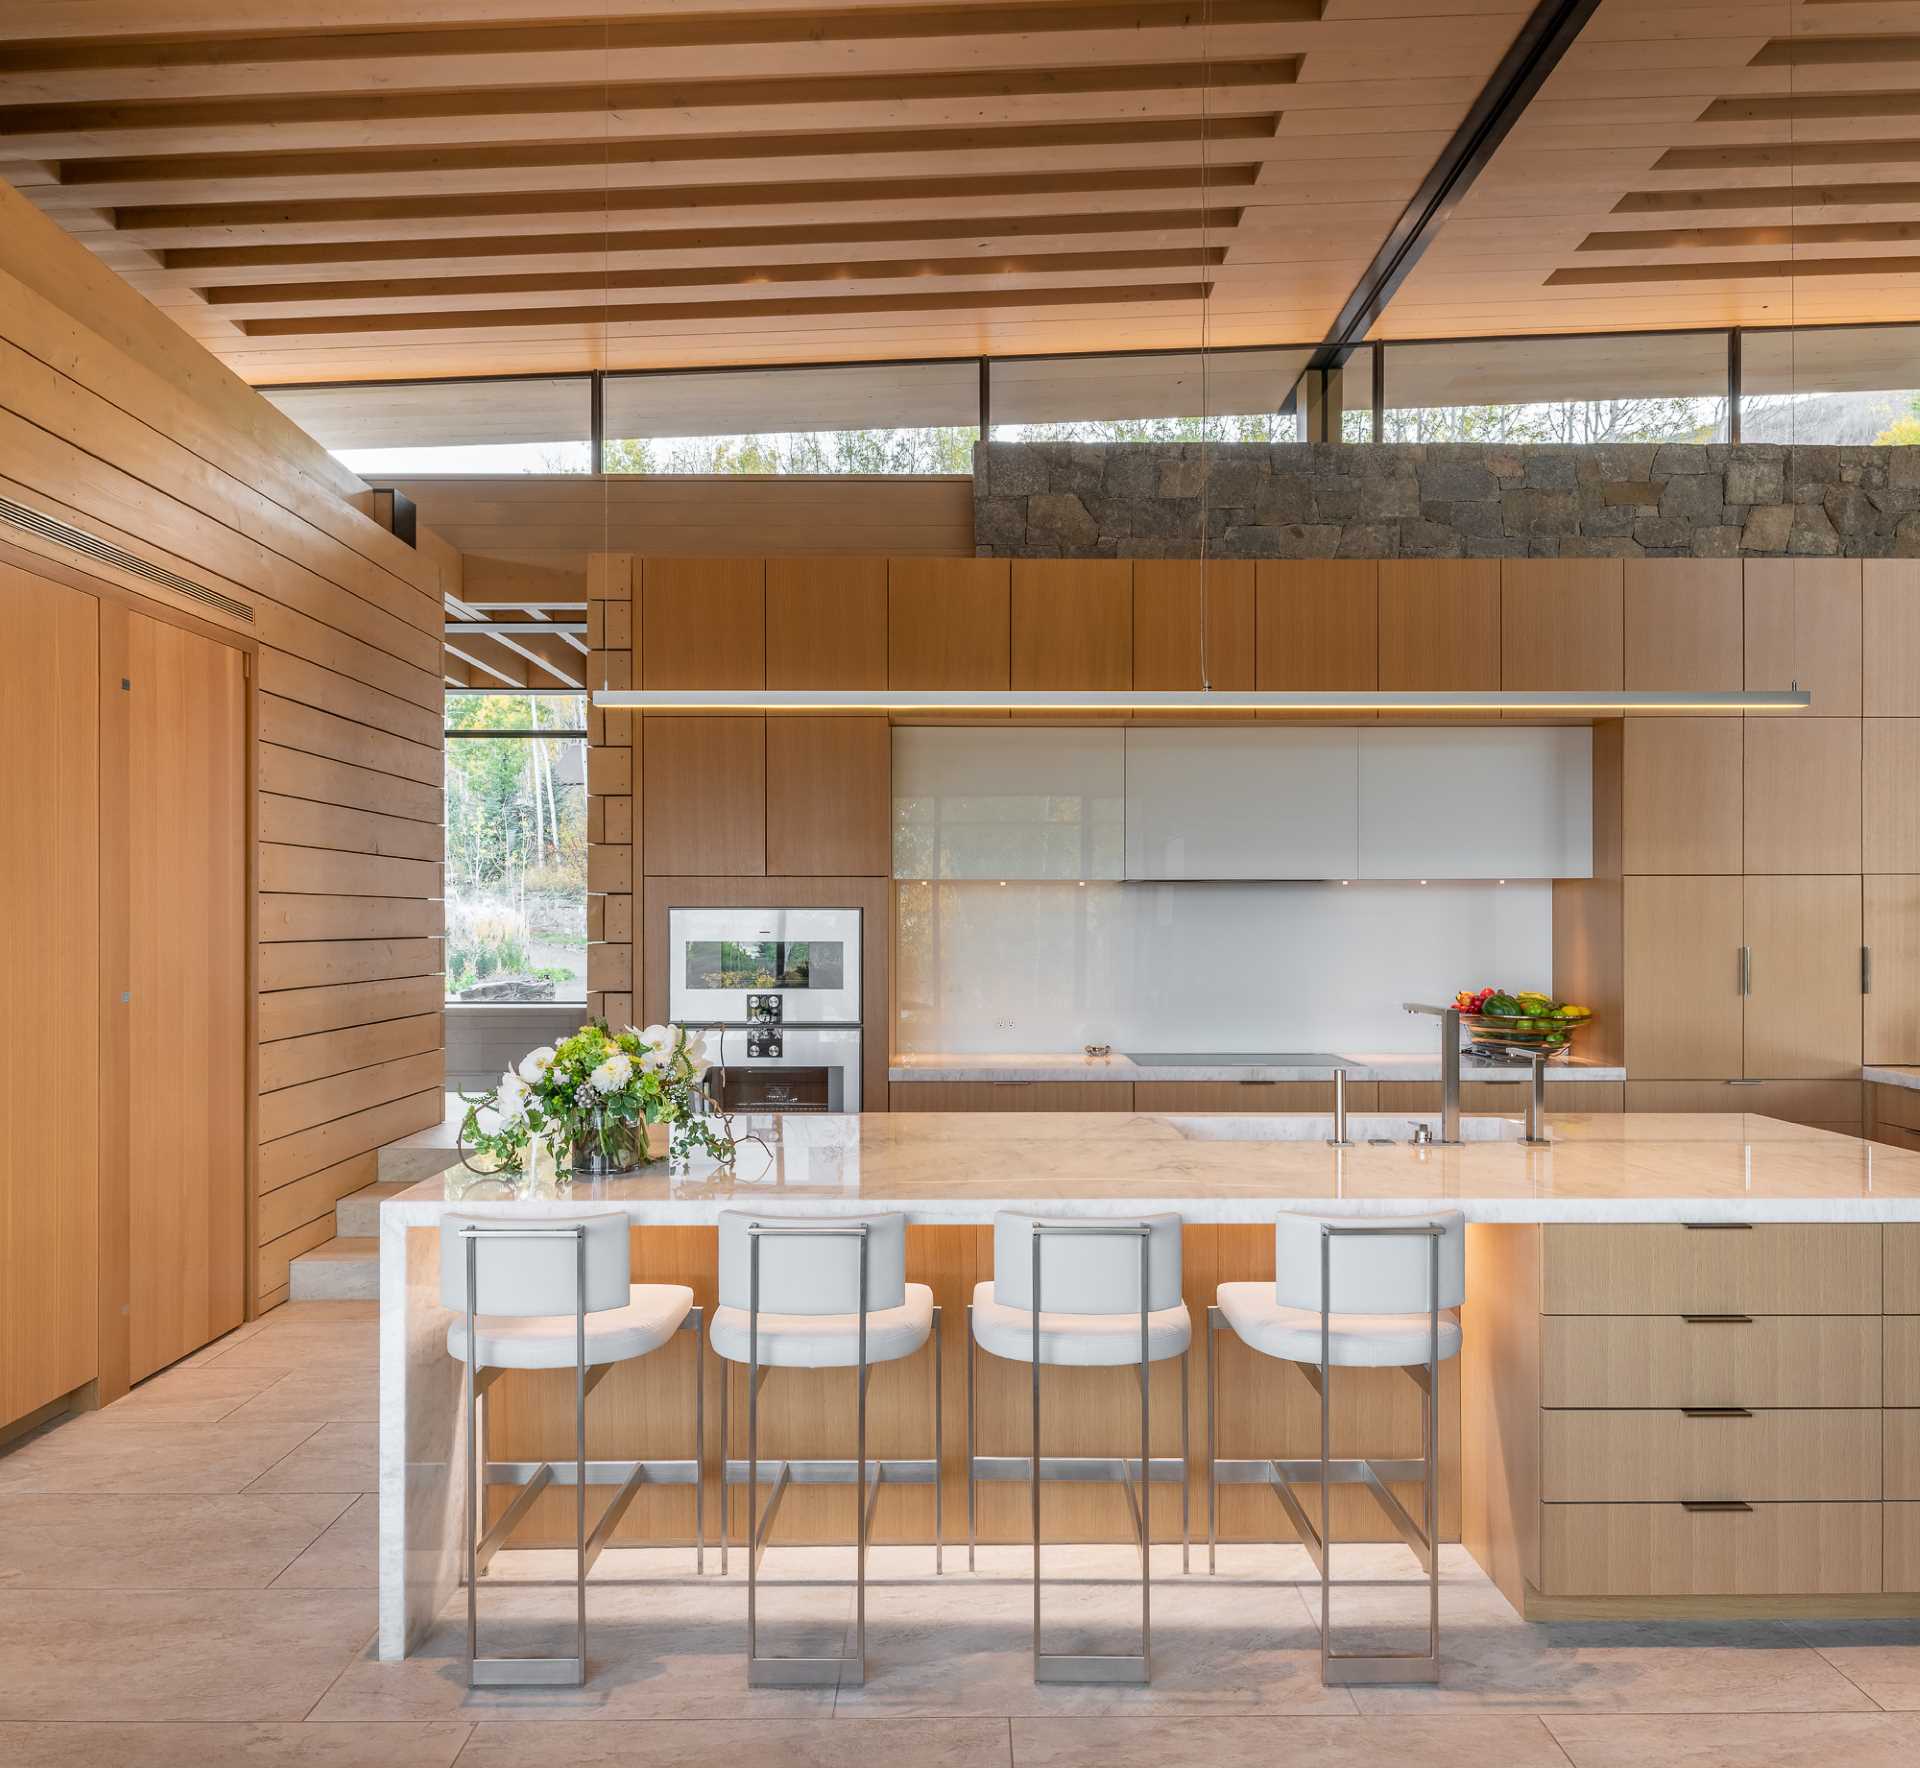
x,y
1067,1666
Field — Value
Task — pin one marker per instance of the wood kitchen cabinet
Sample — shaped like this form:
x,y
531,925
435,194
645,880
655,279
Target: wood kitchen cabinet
x,y
1890,916
1167,607
1890,638
1803,624
1890,804
1802,804
1684,1012
703,623
1561,623
1011,1095
1440,624
1072,625
949,624
827,623
704,809
1682,794
1684,625
1318,624
829,801
1803,1003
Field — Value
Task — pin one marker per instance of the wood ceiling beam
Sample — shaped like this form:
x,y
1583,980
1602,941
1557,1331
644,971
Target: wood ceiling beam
x,y
1891,194
1783,156
1810,107
1731,270
1693,239
733,311
444,288
153,222
70,131
1815,52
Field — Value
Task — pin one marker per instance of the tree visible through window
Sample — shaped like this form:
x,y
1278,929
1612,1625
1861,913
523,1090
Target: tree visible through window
x,y
516,869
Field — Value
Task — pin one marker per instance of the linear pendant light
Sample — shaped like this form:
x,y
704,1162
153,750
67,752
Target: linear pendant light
x,y
1601,702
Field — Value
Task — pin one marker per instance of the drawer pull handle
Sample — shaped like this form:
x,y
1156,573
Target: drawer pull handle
x,y
1718,1319
1705,1226
1715,1412
1716,1507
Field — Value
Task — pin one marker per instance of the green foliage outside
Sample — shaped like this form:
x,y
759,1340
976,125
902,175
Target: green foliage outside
x,y
516,864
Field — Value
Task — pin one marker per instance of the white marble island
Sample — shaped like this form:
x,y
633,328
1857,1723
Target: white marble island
x,y
945,1171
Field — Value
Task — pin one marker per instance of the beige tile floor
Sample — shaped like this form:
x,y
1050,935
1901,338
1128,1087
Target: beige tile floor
x,y
188,1578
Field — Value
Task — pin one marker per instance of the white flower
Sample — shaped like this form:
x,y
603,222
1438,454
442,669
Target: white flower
x,y
487,1120
657,1037
612,1074
696,1049
535,1063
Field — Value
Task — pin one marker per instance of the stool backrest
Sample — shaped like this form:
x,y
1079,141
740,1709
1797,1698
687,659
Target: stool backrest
x,y
1086,1273
1371,1273
813,1273
527,1277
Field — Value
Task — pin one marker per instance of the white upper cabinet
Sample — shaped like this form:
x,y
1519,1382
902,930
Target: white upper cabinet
x,y
1477,802
1003,803
1241,804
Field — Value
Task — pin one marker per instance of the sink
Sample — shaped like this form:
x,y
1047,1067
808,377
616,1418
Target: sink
x,y
1362,1127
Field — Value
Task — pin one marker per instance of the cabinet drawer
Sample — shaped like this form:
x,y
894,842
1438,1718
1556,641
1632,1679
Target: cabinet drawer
x,y
1247,1095
1899,1106
1667,1550
1710,1360
1903,1267
1902,1340
1668,1268
1011,1095
1670,1457
1902,1525
1903,1452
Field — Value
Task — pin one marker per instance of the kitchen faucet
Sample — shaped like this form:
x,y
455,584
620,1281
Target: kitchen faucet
x,y
1449,1018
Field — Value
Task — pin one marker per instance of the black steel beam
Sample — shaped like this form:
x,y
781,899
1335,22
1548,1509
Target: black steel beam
x,y
1535,52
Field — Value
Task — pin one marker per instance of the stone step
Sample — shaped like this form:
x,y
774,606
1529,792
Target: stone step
x,y
426,1153
345,1269
358,1216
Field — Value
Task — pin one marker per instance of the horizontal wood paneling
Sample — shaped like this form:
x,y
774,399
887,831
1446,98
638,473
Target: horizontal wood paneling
x,y
301,1107
309,1199
346,917
318,871
294,726
287,1062
328,962
302,823
294,1156
297,774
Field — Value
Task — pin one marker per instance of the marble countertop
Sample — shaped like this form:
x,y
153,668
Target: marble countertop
x,y
1893,1077
961,1167
1360,1066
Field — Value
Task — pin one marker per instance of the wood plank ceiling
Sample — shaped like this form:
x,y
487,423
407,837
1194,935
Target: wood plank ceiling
x,y
385,188
1698,163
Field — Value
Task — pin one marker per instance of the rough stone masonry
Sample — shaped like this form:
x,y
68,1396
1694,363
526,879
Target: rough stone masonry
x,y
1441,501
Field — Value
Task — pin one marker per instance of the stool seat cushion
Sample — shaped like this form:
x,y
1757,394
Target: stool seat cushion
x,y
1077,1341
1358,1341
653,1314
828,1341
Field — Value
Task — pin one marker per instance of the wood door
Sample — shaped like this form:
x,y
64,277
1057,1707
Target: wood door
x,y
1561,624
1684,620
1683,1006
1072,625
1891,931
1167,603
704,812
1318,624
829,797
1803,624
1803,807
49,1082
1440,624
1681,797
949,623
187,982
1890,638
1889,805
1803,1002
826,623
703,623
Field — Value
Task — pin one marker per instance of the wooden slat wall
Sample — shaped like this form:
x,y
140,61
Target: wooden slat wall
x,y
112,421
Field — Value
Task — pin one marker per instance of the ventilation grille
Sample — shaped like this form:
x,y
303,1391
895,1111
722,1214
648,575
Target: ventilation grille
x,y
108,554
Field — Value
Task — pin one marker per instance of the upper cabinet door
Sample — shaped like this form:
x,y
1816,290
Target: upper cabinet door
x,y
1241,804
948,624
1480,802
1319,624
1440,624
1803,624
1007,803
1803,1005
1172,600
1072,625
703,623
1890,638
1562,624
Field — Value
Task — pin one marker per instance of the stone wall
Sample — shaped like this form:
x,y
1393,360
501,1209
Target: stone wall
x,y
1316,501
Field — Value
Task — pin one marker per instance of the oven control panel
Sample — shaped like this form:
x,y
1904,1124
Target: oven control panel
x,y
764,1009
765,1045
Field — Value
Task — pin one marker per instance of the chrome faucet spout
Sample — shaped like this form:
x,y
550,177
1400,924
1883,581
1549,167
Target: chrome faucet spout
x,y
1449,1018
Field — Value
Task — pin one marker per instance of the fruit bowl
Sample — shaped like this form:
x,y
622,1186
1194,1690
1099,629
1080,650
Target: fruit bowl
x,y
1533,1034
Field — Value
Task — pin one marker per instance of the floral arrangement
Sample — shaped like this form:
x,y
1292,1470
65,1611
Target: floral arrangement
x,y
591,1097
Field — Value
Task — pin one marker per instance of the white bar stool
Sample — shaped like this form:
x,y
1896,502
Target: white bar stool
x,y
558,1295
1112,1297
1368,1293
818,1293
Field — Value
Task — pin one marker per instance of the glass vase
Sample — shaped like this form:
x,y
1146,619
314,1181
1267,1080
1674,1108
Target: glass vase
x,y
605,1146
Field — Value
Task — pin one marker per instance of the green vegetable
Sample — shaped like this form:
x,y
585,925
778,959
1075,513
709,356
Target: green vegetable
x,y
1503,1006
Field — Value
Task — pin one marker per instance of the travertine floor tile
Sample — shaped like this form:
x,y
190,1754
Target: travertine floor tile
x,y
226,1654
1770,1740
1428,1742
1880,1657
326,1396
192,1394
741,1743
56,1541
284,1745
346,1556
333,1458
112,1451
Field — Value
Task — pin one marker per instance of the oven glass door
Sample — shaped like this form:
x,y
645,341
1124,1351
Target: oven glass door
x,y
808,958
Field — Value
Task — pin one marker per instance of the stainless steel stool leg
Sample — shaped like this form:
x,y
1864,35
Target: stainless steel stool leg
x,y
1213,1450
971,1525
726,1451
699,1443
939,1459
1186,1461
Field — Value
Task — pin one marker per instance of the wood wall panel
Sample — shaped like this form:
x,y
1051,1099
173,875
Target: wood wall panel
x,y
1167,617
50,882
1803,624
1440,623
1684,624
1562,623
1890,638
705,810
827,623
129,429
949,623
1072,625
829,797
1319,624
704,623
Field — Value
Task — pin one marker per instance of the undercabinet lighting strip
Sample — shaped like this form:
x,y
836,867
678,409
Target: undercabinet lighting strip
x,y
859,700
